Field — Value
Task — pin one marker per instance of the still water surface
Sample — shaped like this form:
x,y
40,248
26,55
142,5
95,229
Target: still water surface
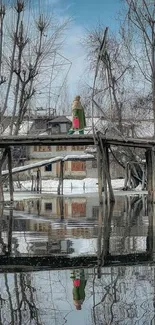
x,y
43,227
122,293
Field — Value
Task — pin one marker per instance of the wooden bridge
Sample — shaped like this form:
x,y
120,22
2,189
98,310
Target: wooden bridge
x,y
53,262
102,142
68,140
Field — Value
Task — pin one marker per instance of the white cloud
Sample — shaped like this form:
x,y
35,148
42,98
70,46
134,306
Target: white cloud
x,y
77,55
72,49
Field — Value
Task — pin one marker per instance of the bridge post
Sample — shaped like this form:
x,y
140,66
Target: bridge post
x,y
61,206
10,231
38,181
10,173
61,176
150,167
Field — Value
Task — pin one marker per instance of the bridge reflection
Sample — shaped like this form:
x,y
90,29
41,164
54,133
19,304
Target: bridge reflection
x,y
114,235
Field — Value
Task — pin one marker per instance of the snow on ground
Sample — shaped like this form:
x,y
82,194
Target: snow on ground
x,y
71,186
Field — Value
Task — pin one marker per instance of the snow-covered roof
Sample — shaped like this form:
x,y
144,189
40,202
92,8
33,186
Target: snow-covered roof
x,y
142,129
24,128
49,161
60,119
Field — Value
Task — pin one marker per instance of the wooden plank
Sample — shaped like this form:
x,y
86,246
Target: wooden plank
x,y
50,140
68,140
53,262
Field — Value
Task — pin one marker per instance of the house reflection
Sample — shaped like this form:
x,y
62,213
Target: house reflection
x,y
51,207
38,228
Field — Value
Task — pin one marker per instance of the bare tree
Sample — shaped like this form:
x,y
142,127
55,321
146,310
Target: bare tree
x,y
25,47
110,87
138,32
111,93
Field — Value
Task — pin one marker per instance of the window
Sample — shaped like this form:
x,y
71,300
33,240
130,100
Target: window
x,y
48,206
61,148
48,168
63,128
44,148
78,148
78,166
55,129
78,209
82,148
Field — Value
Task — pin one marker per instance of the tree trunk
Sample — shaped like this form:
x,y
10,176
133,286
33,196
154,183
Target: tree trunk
x,y
1,38
99,171
12,64
1,188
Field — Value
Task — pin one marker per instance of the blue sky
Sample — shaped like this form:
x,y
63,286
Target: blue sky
x,y
86,14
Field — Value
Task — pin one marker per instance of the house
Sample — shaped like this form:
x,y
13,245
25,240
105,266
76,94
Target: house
x,y
59,125
72,169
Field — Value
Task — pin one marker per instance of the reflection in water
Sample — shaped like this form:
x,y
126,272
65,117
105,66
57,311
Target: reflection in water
x,y
111,295
42,227
123,295
79,284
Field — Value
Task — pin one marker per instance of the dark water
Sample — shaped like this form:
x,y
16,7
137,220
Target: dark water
x,y
94,265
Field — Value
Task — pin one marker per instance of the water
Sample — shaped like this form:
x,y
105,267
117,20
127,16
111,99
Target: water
x,y
72,262
123,295
78,228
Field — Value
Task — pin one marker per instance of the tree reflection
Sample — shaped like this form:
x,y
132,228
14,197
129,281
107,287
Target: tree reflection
x,y
2,244
123,295
105,218
123,298
19,305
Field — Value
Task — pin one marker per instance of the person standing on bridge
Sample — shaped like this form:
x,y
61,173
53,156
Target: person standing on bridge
x,y
78,117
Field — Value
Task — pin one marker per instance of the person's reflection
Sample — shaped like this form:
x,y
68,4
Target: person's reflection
x,y
79,284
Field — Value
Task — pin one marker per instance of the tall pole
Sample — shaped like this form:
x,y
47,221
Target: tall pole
x,y
101,52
